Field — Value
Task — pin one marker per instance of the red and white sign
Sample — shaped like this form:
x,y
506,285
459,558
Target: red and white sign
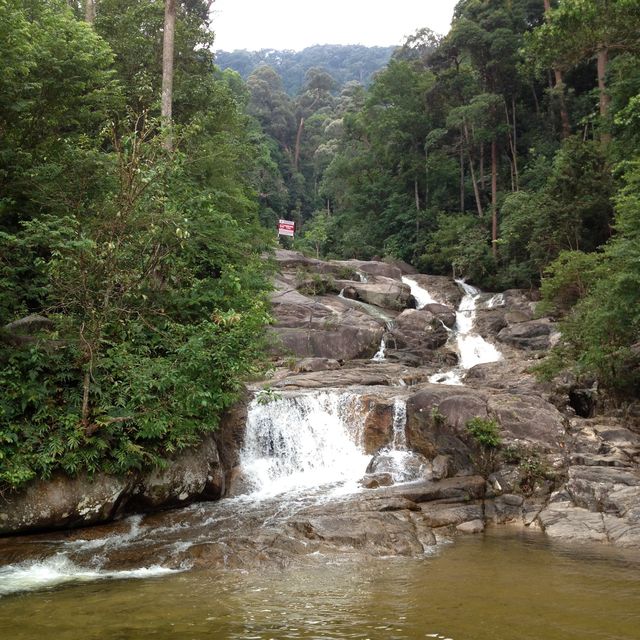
x,y
286,227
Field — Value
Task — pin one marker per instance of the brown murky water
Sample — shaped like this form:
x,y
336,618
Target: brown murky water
x,y
500,586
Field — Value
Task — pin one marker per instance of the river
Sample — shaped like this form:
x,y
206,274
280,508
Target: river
x,y
499,586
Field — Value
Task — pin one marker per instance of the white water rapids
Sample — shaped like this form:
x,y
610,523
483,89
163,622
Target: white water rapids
x,y
304,441
472,348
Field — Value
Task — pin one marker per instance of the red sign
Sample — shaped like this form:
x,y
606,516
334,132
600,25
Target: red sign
x,y
286,227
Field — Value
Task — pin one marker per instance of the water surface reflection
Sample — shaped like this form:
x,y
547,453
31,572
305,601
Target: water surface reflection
x,y
497,587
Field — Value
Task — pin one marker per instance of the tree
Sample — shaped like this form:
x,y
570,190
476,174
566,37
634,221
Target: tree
x,y
582,29
168,38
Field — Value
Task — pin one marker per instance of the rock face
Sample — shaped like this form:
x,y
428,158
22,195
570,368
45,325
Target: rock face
x,y
382,292
322,328
419,331
64,502
531,335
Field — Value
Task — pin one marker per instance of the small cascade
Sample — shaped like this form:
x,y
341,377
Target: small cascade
x,y
422,296
472,348
399,425
303,441
363,277
375,312
397,460
380,354
496,301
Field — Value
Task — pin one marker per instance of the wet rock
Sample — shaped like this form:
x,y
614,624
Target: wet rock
x,y
316,364
375,480
531,335
440,467
445,314
489,322
418,331
378,423
445,514
403,466
370,268
197,473
63,502
383,292
459,488
473,526
394,533
365,375
443,289
326,328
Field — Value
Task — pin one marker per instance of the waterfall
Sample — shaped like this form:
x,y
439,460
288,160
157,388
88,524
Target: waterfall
x,y
303,441
380,354
399,425
396,459
472,348
422,296
496,301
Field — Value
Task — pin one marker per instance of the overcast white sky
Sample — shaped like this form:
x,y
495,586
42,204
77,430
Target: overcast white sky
x,y
296,24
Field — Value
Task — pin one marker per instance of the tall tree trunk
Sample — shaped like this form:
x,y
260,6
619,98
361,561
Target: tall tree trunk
x,y
476,191
605,98
511,130
296,156
461,176
167,70
426,177
494,198
90,11
416,194
564,115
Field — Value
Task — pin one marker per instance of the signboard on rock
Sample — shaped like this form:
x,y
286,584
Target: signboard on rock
x,y
286,227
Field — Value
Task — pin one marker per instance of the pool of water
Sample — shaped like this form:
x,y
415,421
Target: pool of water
x,y
499,586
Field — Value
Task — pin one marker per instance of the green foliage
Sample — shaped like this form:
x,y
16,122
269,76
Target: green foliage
x,y
532,468
485,432
485,435
601,331
345,63
267,395
148,267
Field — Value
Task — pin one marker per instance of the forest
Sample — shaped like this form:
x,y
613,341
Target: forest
x,y
133,285
344,63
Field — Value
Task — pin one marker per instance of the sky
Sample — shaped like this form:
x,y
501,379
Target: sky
x,y
296,24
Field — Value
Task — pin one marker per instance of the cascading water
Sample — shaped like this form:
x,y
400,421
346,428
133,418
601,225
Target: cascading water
x,y
380,354
303,441
397,460
472,348
422,296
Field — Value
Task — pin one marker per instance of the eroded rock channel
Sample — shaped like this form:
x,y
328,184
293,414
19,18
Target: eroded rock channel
x,y
357,444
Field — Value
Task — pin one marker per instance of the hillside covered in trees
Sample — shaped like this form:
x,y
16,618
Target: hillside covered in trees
x,y
132,291
505,152
345,63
